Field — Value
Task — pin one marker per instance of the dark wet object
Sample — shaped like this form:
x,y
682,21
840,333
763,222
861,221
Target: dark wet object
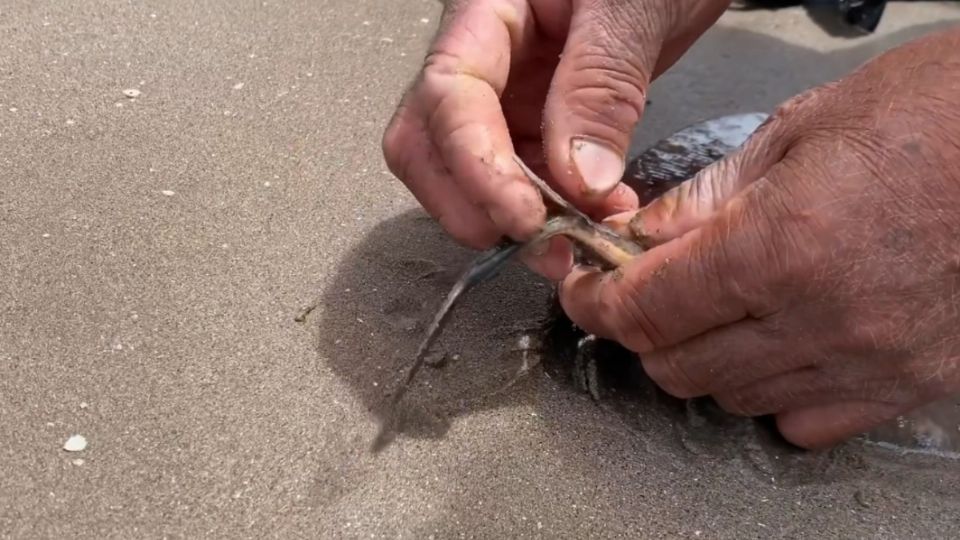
x,y
679,157
864,15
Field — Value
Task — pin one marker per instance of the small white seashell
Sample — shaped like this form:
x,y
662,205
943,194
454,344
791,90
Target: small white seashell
x,y
76,443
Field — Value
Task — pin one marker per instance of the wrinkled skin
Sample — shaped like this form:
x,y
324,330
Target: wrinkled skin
x,y
560,83
815,274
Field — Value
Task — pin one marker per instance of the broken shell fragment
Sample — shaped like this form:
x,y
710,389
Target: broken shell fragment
x,y
76,443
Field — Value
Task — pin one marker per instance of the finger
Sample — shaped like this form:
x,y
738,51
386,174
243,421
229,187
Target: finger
x,y
823,426
731,268
459,93
726,359
640,304
669,294
414,161
552,260
621,199
613,50
803,387
598,96
811,386
694,202
478,153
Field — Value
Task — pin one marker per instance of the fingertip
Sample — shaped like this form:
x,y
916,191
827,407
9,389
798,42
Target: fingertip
x,y
651,224
518,225
554,262
620,223
796,428
520,211
822,427
480,160
394,142
579,291
623,199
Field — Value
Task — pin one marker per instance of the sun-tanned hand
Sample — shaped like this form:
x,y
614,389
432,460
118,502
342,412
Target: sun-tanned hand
x,y
560,83
815,274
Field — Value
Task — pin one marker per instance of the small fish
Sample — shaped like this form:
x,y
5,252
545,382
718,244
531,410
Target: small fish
x,y
603,246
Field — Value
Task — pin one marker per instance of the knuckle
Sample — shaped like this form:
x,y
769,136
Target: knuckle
x,y
739,404
440,63
606,89
436,84
792,107
515,225
713,268
787,109
476,236
792,250
799,110
638,327
604,105
856,332
465,143
391,147
666,369
766,232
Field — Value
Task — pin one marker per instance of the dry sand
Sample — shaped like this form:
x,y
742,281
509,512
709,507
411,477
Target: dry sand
x,y
156,249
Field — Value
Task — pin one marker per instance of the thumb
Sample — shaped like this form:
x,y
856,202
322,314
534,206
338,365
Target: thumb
x,y
614,49
692,203
596,99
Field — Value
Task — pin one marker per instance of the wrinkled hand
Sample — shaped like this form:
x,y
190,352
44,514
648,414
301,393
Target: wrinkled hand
x,y
815,274
560,83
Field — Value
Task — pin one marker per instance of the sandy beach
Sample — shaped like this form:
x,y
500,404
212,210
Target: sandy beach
x,y
180,182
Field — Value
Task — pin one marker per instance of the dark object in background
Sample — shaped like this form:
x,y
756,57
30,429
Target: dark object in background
x,y
864,15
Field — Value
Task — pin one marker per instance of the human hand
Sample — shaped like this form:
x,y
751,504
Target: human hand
x,y
560,83
814,275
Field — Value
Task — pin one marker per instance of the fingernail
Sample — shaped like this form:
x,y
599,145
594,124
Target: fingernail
x,y
639,232
600,166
